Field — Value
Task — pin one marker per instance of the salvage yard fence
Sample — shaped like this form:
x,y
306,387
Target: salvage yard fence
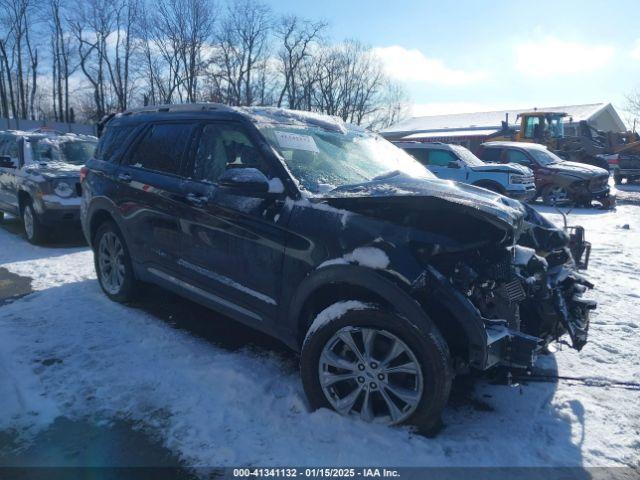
x,y
22,124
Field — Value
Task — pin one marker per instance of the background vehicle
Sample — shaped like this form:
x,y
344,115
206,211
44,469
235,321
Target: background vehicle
x,y
39,178
454,162
557,181
587,145
331,239
624,166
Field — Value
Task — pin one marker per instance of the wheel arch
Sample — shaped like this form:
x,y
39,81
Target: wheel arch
x,y
490,185
336,283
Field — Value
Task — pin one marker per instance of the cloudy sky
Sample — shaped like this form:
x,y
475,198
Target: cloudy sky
x,y
460,56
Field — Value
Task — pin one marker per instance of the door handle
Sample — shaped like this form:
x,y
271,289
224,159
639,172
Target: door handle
x,y
124,177
196,200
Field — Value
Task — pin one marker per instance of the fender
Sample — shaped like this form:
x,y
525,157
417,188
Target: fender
x,y
358,276
466,314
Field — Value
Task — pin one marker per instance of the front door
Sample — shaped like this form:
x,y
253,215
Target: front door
x,y
444,164
9,168
233,242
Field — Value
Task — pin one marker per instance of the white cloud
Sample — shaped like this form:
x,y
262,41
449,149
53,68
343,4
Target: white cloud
x,y
635,52
550,57
412,65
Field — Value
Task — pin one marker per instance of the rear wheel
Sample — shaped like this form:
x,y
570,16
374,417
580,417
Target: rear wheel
x,y
113,263
33,228
376,366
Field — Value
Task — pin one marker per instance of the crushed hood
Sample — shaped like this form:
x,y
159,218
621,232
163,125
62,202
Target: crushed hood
x,y
447,202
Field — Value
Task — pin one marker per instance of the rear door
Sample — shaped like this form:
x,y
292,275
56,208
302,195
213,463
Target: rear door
x,y
151,196
233,244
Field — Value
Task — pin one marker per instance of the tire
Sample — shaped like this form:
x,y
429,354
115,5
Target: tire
x,y
617,179
1,217
552,193
33,228
428,387
113,264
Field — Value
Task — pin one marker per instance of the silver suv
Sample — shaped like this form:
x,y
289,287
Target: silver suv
x,y
40,178
454,162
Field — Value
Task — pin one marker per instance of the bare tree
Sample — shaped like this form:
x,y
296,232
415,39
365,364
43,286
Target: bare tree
x,y
297,37
239,61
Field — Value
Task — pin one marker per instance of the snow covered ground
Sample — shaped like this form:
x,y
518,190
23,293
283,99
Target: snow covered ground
x,y
66,350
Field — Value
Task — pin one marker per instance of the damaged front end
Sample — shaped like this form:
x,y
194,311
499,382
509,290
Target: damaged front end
x,y
527,294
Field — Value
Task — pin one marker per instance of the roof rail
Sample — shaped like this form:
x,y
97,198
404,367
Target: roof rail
x,y
179,107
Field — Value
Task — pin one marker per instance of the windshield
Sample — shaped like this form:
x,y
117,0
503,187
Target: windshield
x,y
75,152
466,156
322,160
545,157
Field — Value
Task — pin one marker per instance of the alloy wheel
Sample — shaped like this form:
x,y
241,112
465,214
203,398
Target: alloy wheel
x,y
29,222
370,373
111,262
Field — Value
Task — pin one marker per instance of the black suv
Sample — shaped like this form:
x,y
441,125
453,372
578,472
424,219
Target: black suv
x,y
328,237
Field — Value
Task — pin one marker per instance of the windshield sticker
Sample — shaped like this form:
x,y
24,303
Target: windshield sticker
x,y
296,141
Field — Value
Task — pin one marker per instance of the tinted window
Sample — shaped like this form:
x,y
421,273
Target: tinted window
x,y
420,154
112,139
161,147
441,158
221,147
491,154
516,156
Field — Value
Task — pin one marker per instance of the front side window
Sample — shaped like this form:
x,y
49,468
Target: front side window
x,y
322,159
533,128
441,158
162,147
221,147
516,156
466,156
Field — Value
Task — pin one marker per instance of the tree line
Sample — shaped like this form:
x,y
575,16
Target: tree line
x,y
69,60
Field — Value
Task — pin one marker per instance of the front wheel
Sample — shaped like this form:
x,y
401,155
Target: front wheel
x,y
33,228
113,263
555,195
617,179
374,365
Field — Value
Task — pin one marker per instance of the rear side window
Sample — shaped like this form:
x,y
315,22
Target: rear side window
x,y
491,154
112,141
441,158
161,148
420,154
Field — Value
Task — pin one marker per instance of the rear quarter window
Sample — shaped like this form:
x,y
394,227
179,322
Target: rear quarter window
x,y
114,141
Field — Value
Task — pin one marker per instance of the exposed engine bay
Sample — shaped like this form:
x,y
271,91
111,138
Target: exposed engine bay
x,y
532,288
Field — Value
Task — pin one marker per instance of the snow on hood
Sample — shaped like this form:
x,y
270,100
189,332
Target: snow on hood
x,y
54,169
503,168
577,169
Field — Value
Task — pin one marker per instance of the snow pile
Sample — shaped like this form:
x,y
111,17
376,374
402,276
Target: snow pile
x,y
67,350
365,256
332,312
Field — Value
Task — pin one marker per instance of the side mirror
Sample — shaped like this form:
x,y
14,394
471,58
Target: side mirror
x,y
453,164
6,162
247,181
